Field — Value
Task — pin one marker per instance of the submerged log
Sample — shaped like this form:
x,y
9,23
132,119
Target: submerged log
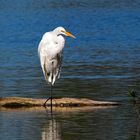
x,y
17,102
62,102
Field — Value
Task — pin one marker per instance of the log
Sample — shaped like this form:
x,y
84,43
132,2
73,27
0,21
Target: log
x,y
17,102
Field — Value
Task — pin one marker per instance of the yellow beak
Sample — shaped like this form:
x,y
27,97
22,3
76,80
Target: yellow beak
x,y
69,34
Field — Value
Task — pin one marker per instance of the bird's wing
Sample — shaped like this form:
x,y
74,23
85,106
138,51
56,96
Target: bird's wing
x,y
42,55
45,59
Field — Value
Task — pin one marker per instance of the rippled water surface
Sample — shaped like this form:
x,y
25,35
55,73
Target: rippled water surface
x,y
102,63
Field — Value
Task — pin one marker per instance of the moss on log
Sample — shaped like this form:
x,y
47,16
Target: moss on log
x,y
17,102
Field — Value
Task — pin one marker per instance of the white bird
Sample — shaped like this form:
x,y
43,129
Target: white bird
x,y
50,53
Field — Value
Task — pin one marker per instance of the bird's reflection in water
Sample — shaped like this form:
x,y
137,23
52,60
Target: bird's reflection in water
x,y
51,131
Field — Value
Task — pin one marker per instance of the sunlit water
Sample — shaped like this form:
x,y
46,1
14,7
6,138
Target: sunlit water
x,y
102,63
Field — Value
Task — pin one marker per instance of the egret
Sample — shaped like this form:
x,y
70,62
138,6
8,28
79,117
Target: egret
x,y
50,53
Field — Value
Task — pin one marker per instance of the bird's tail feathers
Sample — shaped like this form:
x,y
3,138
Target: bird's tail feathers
x,y
49,76
52,78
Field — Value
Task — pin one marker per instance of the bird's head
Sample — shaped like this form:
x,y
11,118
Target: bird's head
x,y
61,30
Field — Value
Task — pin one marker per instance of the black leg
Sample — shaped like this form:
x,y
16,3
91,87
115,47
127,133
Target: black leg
x,y
46,101
50,98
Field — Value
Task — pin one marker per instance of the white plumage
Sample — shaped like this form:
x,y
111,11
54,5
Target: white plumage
x,y
50,52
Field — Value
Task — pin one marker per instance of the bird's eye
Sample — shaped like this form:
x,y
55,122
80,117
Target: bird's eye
x,y
56,42
62,31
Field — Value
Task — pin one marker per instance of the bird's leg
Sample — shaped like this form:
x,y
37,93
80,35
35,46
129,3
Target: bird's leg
x,y
46,101
50,98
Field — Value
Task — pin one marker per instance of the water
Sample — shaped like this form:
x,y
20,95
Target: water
x,y
102,63
76,124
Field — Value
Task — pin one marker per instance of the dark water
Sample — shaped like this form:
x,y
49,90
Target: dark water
x,y
102,63
79,124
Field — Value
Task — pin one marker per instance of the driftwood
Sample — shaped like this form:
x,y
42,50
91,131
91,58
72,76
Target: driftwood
x,y
17,102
